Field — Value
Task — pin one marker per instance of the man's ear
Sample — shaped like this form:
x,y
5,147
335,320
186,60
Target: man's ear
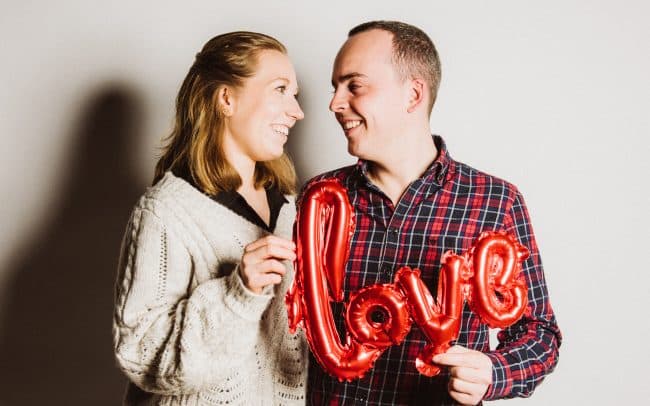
x,y
225,101
417,94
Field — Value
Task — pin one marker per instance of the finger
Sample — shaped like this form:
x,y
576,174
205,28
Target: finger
x,y
468,388
270,239
463,398
466,359
478,376
250,271
264,279
283,242
271,251
270,266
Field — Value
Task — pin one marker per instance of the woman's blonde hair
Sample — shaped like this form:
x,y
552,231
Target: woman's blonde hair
x,y
194,148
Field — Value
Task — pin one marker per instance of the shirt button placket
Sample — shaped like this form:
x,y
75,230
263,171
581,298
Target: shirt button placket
x,y
392,238
385,270
393,235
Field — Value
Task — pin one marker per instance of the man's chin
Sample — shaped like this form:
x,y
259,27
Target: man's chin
x,y
353,149
356,146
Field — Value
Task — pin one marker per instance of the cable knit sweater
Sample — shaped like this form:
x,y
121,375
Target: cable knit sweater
x,y
186,330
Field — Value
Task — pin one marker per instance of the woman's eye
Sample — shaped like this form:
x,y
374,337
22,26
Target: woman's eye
x,y
281,89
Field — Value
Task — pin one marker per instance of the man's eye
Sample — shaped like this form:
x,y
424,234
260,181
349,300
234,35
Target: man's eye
x,y
353,86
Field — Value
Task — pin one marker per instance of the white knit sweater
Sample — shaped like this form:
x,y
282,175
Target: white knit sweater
x,y
186,330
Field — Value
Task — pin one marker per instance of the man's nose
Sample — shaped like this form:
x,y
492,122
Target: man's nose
x,y
338,103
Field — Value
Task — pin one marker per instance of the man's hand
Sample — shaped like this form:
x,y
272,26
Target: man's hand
x,y
261,263
470,374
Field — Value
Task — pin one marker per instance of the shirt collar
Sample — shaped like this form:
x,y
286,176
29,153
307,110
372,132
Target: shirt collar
x,y
236,203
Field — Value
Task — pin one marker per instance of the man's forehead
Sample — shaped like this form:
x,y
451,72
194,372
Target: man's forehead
x,y
374,43
361,52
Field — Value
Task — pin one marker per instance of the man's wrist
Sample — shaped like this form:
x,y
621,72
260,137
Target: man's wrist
x,y
498,388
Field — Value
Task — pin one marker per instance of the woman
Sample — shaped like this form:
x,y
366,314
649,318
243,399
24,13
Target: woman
x,y
206,258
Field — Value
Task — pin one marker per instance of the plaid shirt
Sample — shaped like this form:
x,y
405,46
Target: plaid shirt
x,y
445,209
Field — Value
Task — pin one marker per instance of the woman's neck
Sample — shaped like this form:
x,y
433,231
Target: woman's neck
x,y
243,164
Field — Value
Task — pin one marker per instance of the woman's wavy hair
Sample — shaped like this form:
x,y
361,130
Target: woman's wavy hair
x,y
194,149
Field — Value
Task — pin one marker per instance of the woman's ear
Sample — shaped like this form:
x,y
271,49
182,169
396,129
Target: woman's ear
x,y
225,101
417,93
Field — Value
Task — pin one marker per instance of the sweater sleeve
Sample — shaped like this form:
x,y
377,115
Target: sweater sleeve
x,y
170,340
527,350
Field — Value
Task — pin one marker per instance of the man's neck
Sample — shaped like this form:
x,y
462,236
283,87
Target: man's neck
x,y
397,171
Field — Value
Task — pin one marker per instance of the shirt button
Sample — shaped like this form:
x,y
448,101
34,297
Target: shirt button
x,y
385,269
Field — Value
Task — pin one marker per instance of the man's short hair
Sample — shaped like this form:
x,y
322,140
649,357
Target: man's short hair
x,y
414,54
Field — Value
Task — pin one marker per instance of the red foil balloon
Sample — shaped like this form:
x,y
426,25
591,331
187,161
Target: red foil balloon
x,y
322,234
378,316
439,321
499,294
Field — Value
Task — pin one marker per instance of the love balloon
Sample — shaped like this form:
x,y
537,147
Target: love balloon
x,y
378,316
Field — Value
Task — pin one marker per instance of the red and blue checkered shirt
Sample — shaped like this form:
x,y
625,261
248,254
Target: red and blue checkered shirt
x,y
445,209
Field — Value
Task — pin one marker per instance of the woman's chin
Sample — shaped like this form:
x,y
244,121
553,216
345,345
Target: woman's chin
x,y
269,155
278,149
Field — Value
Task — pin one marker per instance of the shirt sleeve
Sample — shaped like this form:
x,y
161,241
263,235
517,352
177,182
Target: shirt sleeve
x,y
527,350
168,338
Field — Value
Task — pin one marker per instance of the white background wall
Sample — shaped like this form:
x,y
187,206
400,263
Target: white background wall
x,y
553,96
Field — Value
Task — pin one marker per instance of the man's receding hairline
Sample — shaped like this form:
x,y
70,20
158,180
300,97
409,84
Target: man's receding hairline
x,y
392,35
392,54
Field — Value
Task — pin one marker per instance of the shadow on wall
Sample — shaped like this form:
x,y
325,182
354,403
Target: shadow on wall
x,y
56,341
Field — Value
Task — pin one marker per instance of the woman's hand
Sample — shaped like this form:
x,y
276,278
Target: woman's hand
x,y
261,263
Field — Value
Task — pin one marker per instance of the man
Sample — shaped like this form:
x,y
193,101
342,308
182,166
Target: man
x,y
412,203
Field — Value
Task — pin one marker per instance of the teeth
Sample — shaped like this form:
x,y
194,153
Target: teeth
x,y
351,124
281,129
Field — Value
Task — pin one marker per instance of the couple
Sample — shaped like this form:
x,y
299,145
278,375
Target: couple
x,y
207,256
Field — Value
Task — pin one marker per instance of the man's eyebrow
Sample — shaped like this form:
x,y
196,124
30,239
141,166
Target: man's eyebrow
x,y
347,77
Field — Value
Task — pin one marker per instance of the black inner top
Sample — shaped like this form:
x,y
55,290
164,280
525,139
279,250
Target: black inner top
x,y
237,204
